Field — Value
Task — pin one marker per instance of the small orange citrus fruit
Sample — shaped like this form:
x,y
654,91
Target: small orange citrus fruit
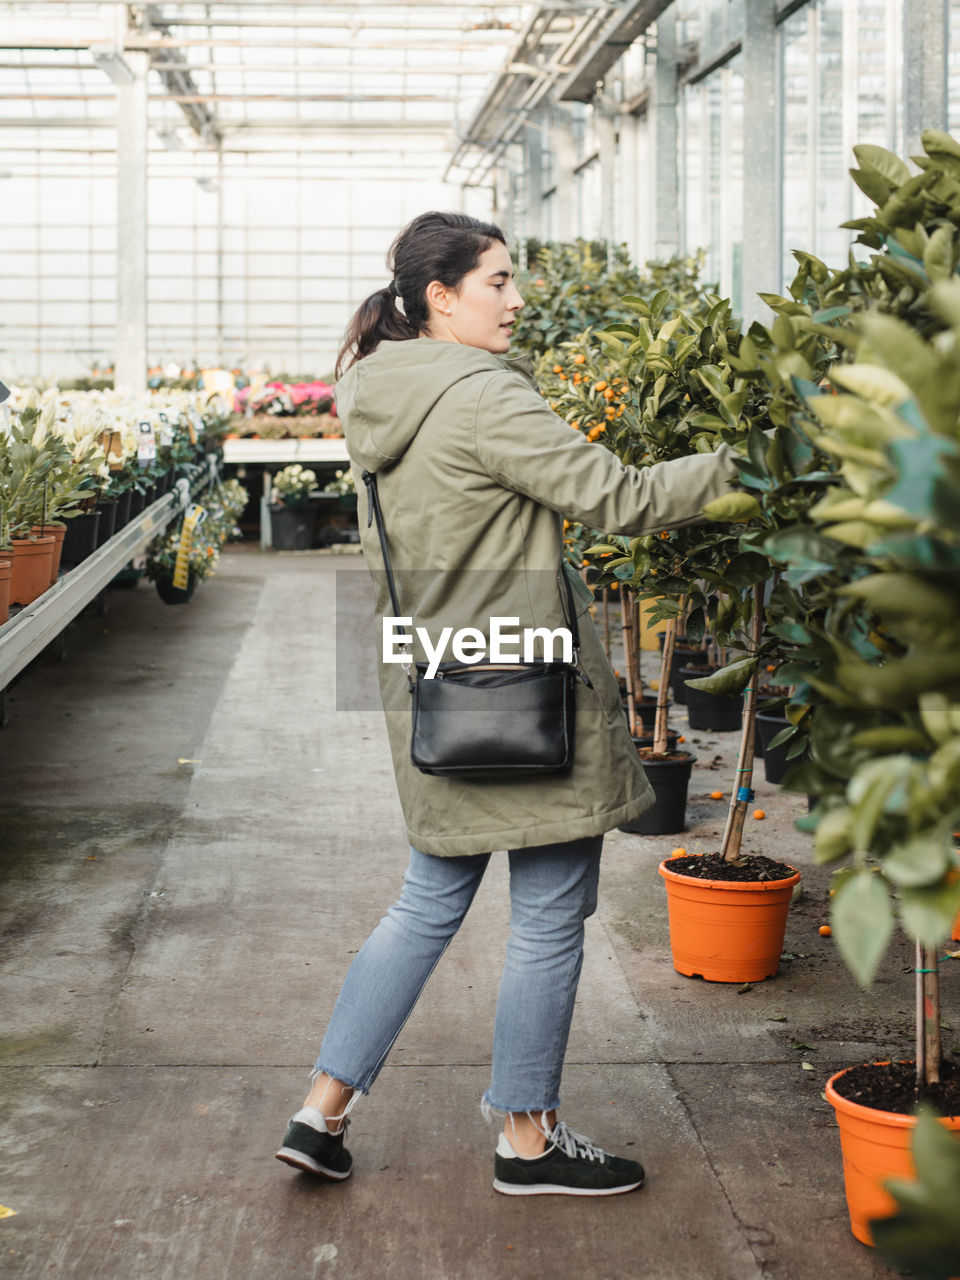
x,y
825,931
678,853
716,795
758,814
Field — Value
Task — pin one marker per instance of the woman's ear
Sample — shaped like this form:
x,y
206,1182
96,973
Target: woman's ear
x,y
438,297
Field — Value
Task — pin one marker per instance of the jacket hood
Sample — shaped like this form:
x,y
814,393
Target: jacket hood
x,y
383,399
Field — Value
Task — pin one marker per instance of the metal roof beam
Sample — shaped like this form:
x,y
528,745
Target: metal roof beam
x,y
626,26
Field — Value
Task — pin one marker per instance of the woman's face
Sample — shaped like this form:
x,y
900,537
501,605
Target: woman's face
x,y
481,311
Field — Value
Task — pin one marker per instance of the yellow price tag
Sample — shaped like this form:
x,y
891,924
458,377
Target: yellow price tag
x,y
181,569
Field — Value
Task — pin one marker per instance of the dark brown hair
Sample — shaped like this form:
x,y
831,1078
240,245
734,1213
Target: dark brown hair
x,y
434,246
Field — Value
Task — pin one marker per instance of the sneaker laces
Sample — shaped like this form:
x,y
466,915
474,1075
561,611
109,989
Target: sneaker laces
x,y
575,1145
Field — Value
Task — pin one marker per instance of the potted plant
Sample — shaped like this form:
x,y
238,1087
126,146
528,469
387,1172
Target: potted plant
x,y
874,561
292,517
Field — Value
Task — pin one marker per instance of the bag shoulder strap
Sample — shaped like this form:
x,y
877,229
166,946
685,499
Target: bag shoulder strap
x,y
375,512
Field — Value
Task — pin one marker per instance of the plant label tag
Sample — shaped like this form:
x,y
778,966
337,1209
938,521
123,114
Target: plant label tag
x,y
191,521
146,444
166,431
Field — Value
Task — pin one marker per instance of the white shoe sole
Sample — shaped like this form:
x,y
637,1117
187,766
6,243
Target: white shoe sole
x,y
552,1189
299,1160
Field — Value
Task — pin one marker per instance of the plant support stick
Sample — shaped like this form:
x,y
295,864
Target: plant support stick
x,y
928,1016
742,792
626,611
660,724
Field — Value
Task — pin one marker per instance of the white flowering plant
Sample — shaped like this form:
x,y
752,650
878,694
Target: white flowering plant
x,y
293,485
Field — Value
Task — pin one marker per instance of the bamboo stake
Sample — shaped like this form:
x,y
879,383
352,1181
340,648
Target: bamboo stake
x,y
929,1049
666,662
742,792
605,606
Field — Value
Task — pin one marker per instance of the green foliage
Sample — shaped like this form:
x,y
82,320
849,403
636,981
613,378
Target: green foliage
x,y
569,288
924,1234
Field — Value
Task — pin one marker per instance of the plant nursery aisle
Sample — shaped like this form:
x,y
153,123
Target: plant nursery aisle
x,y
193,843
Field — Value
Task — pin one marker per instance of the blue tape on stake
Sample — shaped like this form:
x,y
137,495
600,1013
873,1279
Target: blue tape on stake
x,y
744,793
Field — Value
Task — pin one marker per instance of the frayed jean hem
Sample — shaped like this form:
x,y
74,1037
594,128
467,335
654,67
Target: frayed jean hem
x,y
493,1112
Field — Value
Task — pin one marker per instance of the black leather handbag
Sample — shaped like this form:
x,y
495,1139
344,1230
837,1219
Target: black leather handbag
x,y
488,720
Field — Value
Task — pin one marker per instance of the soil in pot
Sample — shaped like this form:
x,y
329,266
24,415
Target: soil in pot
x,y
715,712
669,775
873,1105
644,741
727,920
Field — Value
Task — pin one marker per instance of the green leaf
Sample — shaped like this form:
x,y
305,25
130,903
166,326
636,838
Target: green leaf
x,y
730,680
888,738
921,469
746,569
938,255
862,923
919,861
832,838
733,507
928,912
923,1237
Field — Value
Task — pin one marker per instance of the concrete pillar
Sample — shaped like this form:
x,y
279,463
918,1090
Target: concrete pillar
x,y
533,169
564,163
606,129
131,352
925,48
663,114
761,159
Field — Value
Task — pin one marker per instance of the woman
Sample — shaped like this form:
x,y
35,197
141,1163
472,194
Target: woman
x,y
475,476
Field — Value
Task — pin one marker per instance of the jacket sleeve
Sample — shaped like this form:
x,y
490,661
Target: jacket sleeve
x,y
526,447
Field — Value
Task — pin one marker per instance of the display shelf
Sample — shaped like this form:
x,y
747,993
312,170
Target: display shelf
x,y
261,452
37,625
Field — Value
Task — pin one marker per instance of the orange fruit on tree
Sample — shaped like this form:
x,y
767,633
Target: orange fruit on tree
x,y
599,386
558,368
579,358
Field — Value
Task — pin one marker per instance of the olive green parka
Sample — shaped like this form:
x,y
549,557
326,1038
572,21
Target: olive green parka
x,y
476,474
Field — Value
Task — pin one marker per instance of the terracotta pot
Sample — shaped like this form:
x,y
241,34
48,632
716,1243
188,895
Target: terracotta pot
x,y
30,578
875,1146
727,930
6,568
58,531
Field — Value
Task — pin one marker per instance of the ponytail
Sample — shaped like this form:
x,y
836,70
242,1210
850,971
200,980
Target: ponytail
x,y
434,246
376,318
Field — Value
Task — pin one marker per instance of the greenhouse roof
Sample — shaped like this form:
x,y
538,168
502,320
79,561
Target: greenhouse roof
x,y
255,76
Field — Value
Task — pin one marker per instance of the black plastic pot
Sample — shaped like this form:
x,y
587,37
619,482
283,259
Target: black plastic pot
x,y
136,502
669,779
80,540
150,496
718,713
170,594
123,510
292,528
775,761
108,520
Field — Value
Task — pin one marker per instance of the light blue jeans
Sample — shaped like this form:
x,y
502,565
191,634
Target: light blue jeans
x,y
553,888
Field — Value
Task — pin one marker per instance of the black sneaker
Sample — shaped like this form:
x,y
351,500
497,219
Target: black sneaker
x,y
570,1166
309,1145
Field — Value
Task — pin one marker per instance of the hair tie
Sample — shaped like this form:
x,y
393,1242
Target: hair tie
x,y
392,289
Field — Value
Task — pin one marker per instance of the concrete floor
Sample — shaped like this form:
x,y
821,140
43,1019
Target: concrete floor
x,y
194,843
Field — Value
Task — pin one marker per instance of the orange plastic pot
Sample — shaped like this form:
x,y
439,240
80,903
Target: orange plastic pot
x,y
58,531
6,567
727,930
875,1146
32,558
